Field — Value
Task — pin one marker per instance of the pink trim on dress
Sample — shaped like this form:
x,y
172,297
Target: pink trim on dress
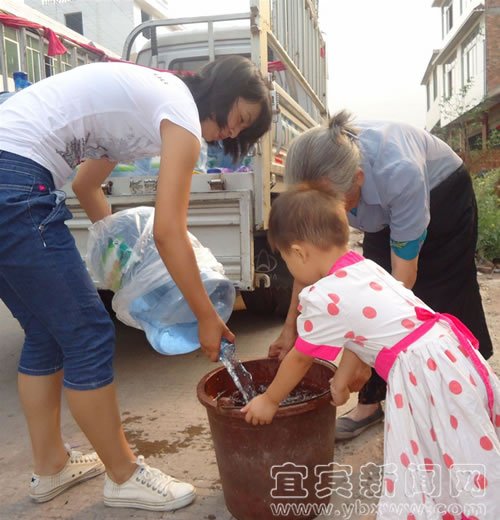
x,y
350,258
387,356
326,352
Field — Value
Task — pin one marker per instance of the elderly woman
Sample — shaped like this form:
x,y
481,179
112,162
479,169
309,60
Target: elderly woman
x,y
412,197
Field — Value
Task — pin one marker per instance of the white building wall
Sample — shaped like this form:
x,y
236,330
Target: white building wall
x,y
440,110
460,11
107,22
22,10
476,85
434,112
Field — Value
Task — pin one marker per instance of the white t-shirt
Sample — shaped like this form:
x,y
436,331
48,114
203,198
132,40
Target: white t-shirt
x,y
111,110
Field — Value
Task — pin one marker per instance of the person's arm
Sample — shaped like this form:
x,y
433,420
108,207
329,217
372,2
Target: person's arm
x,y
408,199
87,187
179,153
404,270
261,409
285,341
350,376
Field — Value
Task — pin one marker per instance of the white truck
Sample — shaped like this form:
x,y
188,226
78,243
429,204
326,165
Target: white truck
x,y
228,211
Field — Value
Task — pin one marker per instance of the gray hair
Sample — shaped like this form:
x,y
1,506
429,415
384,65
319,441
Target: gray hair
x,y
328,151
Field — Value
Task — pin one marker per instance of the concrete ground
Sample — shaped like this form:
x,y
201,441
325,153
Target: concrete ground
x,y
165,422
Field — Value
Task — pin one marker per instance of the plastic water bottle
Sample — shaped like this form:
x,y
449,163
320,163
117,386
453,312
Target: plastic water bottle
x,y
20,80
201,165
122,256
167,319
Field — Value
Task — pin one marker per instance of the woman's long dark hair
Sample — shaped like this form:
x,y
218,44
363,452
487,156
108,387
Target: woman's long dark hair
x,y
216,88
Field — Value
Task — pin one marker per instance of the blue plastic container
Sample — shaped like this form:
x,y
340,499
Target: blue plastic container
x,y
167,320
20,80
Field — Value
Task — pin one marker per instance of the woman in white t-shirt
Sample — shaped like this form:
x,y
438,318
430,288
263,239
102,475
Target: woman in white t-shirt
x,y
93,117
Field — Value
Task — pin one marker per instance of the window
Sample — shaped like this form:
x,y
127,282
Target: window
x,y
448,17
464,4
74,21
434,83
81,59
428,93
145,17
469,58
449,78
66,62
33,59
49,66
11,44
52,63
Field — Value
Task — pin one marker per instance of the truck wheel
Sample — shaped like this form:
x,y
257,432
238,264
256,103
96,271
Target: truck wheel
x,y
274,299
259,301
282,297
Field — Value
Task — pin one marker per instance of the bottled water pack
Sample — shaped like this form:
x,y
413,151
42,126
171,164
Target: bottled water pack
x,y
122,256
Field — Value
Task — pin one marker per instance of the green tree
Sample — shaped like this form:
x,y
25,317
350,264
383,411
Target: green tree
x,y
465,116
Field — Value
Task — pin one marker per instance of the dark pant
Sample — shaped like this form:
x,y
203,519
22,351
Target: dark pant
x,y
447,277
44,282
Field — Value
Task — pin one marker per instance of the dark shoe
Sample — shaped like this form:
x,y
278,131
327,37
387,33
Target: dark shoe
x,y
347,428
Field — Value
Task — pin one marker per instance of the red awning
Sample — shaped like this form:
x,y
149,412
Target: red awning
x,y
55,45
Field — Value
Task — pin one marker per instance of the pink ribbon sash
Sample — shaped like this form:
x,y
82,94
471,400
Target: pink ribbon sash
x,y
387,356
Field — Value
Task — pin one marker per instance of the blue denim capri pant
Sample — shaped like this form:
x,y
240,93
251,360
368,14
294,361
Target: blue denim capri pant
x,y
45,284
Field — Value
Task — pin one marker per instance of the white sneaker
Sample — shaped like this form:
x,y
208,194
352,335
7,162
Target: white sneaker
x,y
78,468
148,488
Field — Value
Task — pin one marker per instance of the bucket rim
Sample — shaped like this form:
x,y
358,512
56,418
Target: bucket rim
x,y
283,411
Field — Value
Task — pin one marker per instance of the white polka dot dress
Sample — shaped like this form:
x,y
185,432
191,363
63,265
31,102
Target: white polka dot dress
x,y
442,439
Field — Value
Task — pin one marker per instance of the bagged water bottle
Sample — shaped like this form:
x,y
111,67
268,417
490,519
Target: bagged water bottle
x,y
201,164
122,256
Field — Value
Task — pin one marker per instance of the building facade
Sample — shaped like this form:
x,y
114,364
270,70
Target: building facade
x,y
25,46
462,78
107,22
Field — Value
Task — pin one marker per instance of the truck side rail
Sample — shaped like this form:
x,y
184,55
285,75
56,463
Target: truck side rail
x,y
154,24
296,37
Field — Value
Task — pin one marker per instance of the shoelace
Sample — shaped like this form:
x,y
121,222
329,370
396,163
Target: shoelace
x,y
154,478
79,457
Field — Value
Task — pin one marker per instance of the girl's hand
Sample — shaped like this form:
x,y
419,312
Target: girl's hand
x,y
211,330
283,343
260,410
340,393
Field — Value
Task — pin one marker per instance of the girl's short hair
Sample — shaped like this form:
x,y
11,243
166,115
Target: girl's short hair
x,y
330,151
216,88
310,212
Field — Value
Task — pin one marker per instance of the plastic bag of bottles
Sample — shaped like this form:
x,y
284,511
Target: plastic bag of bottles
x,y
122,256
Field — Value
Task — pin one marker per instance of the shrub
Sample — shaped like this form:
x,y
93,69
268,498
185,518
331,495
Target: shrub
x,y
487,187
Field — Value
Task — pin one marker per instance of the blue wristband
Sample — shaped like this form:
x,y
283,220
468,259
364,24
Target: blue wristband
x,y
410,249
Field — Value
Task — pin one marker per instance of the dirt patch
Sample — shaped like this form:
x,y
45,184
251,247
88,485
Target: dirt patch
x,y
189,437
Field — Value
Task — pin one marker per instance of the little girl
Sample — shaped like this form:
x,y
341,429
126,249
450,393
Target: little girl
x,y
442,446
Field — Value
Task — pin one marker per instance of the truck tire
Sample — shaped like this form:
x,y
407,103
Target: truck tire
x,y
265,302
274,299
259,301
282,297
